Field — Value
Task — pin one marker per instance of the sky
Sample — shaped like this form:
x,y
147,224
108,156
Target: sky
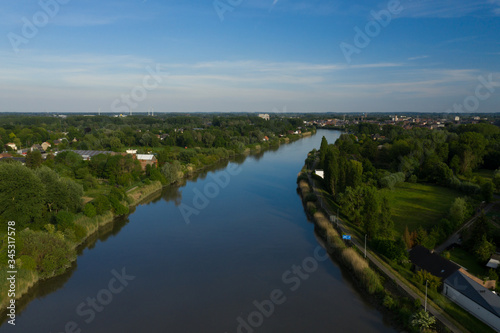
x,y
250,56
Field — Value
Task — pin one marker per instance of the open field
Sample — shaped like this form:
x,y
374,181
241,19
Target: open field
x,y
415,205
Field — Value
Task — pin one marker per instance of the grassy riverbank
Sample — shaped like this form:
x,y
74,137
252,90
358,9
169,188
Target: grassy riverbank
x,y
382,292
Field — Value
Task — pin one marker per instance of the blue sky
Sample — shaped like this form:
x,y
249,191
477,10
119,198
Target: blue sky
x,y
251,56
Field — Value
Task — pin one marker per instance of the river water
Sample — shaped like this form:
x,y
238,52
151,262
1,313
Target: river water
x,y
230,251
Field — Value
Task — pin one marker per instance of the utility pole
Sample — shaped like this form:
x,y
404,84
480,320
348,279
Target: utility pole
x,y
365,246
425,307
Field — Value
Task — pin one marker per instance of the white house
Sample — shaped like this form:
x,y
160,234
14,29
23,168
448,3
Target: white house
x,y
264,116
320,173
474,298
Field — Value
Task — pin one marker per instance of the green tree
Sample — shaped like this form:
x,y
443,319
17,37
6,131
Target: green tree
x,y
171,171
487,190
21,194
33,159
484,249
457,211
422,320
322,153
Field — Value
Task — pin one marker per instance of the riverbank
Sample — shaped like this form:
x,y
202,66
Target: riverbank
x,y
28,277
379,290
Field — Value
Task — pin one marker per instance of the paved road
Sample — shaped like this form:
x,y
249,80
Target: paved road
x,y
377,262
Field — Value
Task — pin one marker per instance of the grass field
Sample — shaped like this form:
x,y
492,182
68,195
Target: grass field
x,y
469,261
415,205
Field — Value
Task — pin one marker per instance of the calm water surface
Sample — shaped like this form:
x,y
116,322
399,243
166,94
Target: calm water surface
x,y
248,245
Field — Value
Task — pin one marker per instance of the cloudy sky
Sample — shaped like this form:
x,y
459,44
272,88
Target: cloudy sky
x,y
249,55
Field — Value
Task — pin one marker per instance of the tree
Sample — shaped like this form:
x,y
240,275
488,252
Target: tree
x,y
386,223
423,320
33,159
457,211
370,212
484,249
171,171
21,194
487,190
322,152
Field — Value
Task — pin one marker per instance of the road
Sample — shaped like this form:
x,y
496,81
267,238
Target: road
x,y
455,238
377,262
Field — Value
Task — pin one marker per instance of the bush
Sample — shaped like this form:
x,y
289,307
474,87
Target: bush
x,y
64,220
51,254
413,179
90,210
118,208
311,197
102,204
392,180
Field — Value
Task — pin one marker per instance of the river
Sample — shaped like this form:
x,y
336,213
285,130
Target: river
x,y
230,251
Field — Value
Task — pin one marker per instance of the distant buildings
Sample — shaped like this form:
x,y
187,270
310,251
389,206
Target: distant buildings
x,y
264,116
146,159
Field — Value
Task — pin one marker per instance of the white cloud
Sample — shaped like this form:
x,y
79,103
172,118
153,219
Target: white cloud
x,y
418,57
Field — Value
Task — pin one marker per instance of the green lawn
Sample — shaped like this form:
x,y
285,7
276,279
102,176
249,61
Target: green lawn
x,y
486,174
469,261
415,205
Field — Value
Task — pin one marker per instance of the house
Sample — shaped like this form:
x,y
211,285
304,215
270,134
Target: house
x,y
473,297
23,151
266,138
11,145
264,116
37,147
146,159
5,155
46,145
131,151
423,259
494,261
320,173
88,154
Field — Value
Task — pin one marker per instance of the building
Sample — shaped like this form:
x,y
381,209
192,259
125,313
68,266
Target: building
x,y
320,173
37,147
88,154
11,145
264,116
423,259
146,159
494,261
46,146
473,297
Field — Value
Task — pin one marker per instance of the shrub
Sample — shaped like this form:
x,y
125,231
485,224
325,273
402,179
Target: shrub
x,y
102,204
392,180
118,208
311,197
64,220
51,254
89,210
